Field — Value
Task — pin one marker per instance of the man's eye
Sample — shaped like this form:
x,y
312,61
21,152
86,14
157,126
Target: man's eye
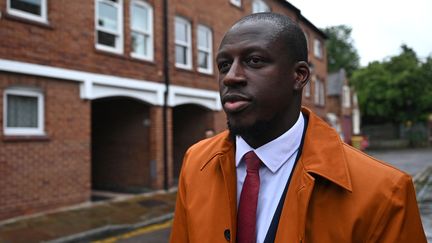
x,y
224,67
254,61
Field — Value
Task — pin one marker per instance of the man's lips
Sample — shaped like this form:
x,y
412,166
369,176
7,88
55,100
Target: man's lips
x,y
233,103
235,106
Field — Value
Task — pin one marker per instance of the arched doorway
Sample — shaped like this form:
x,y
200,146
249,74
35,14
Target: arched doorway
x,y
190,123
120,145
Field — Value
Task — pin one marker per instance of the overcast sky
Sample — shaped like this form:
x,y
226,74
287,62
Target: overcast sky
x,y
380,27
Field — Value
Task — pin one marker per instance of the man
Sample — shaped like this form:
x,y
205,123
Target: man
x,y
301,183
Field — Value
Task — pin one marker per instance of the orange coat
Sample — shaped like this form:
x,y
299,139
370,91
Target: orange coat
x,y
337,194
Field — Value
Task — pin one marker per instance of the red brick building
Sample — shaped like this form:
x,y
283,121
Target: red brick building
x,y
342,108
108,94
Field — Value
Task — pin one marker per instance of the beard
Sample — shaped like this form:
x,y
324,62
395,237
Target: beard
x,y
256,130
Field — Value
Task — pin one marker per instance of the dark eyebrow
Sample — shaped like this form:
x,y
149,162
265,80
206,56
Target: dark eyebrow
x,y
245,51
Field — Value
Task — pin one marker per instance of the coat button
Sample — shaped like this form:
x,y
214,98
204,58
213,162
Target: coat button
x,y
227,234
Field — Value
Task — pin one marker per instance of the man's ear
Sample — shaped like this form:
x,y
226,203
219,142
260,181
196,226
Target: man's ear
x,y
301,75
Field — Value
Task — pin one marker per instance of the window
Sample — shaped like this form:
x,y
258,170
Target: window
x,y
29,9
236,2
319,96
259,6
23,112
317,48
183,53
109,27
205,64
307,89
346,97
142,30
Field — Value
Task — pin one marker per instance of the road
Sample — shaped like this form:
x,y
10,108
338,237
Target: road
x,y
411,161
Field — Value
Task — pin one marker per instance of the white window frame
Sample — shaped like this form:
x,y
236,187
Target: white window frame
x,y
237,3
346,97
24,131
319,96
208,50
322,94
43,18
259,6
318,51
307,91
148,33
187,44
119,48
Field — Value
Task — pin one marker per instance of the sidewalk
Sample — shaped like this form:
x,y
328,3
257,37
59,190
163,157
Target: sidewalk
x,y
91,219
126,213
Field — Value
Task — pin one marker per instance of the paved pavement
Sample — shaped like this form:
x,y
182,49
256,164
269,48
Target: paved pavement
x,y
89,221
132,213
411,161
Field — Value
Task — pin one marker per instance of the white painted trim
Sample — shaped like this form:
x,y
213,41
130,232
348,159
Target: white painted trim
x,y
43,18
95,86
90,82
184,95
24,131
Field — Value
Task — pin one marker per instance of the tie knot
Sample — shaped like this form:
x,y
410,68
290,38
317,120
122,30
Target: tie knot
x,y
252,161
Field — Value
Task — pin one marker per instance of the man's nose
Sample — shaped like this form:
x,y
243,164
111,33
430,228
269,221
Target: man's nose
x,y
235,76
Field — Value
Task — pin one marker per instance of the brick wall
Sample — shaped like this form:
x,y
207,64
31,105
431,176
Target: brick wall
x,y
68,41
42,173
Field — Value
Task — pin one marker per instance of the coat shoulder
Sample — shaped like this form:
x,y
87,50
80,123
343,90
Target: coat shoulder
x,y
200,153
370,170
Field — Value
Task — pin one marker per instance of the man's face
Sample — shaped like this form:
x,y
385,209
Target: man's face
x,y
256,78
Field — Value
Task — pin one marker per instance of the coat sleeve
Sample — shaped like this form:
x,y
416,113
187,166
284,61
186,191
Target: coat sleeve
x,y
400,221
179,231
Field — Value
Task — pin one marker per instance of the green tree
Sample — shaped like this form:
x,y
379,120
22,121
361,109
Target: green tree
x,y
341,52
397,90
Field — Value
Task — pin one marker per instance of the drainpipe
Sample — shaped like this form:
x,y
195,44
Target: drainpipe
x,y
167,83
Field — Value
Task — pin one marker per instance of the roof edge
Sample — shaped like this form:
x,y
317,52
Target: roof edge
x,y
303,19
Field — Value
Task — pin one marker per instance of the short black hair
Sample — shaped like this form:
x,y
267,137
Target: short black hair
x,y
289,30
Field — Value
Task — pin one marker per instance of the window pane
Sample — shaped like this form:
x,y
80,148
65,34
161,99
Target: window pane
x,y
181,31
203,60
259,6
139,44
22,111
203,38
181,54
30,6
140,17
106,39
107,16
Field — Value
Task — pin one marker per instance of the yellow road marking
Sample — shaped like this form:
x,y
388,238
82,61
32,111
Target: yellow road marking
x,y
136,232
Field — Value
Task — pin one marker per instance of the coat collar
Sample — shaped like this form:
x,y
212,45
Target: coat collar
x,y
322,154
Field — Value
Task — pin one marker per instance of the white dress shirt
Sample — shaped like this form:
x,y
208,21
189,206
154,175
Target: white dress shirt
x,y
278,157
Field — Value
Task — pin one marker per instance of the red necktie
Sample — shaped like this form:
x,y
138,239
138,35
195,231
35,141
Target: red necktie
x,y
246,217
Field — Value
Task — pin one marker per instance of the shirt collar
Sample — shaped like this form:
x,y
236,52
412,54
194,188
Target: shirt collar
x,y
276,152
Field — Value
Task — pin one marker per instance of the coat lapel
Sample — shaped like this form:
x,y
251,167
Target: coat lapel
x,y
322,155
293,217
